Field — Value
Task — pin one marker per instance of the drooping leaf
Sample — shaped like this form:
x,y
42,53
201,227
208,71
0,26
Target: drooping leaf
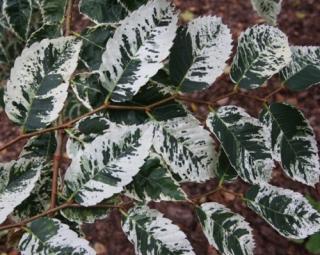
x,y
226,231
262,52
138,48
151,233
199,54
268,9
154,182
52,11
225,170
304,69
286,211
294,142
18,16
39,82
49,31
108,163
245,141
50,236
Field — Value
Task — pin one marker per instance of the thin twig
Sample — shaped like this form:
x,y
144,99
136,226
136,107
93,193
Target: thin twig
x,y
68,18
274,92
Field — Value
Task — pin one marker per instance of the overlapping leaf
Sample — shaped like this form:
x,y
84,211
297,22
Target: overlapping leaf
x,y
49,31
286,211
245,141
52,11
39,81
138,48
304,69
262,52
226,231
200,53
50,236
151,233
293,141
268,9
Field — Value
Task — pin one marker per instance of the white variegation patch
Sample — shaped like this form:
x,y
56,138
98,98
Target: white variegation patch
x,y
226,231
50,236
187,148
138,48
262,52
268,9
39,81
151,233
286,211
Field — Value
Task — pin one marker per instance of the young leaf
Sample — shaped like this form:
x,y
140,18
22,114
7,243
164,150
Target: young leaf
x,y
304,69
226,231
262,52
18,15
268,9
294,142
50,236
39,82
138,48
199,53
154,182
225,171
286,211
151,233
108,163
245,141
52,11
186,147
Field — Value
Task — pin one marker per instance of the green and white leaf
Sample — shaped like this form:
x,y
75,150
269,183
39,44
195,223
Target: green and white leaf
x,y
39,80
186,147
294,143
151,233
108,163
49,31
228,232
138,48
286,211
246,142
304,69
262,52
154,182
268,9
200,53
225,171
50,236
18,16
52,11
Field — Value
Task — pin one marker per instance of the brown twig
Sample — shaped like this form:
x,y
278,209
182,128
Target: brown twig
x,y
68,18
274,92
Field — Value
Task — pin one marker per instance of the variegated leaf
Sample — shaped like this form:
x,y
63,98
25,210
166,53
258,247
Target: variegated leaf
x,y
52,11
226,231
246,142
138,48
262,52
50,236
199,54
286,211
154,182
18,16
49,31
186,147
108,163
268,9
151,233
294,143
39,81
304,69
225,171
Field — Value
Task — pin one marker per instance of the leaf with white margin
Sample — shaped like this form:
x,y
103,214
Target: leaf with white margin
x,y
18,16
138,48
108,163
199,53
151,233
46,31
268,9
228,232
154,182
304,69
246,142
286,211
225,171
262,52
18,178
294,143
52,11
186,147
39,80
50,236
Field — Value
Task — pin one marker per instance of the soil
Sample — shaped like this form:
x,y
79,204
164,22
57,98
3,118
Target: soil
x,y
300,20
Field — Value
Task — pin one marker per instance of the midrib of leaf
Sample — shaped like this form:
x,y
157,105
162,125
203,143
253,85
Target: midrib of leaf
x,y
124,6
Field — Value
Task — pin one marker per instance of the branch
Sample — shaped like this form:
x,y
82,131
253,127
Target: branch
x,y
68,18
